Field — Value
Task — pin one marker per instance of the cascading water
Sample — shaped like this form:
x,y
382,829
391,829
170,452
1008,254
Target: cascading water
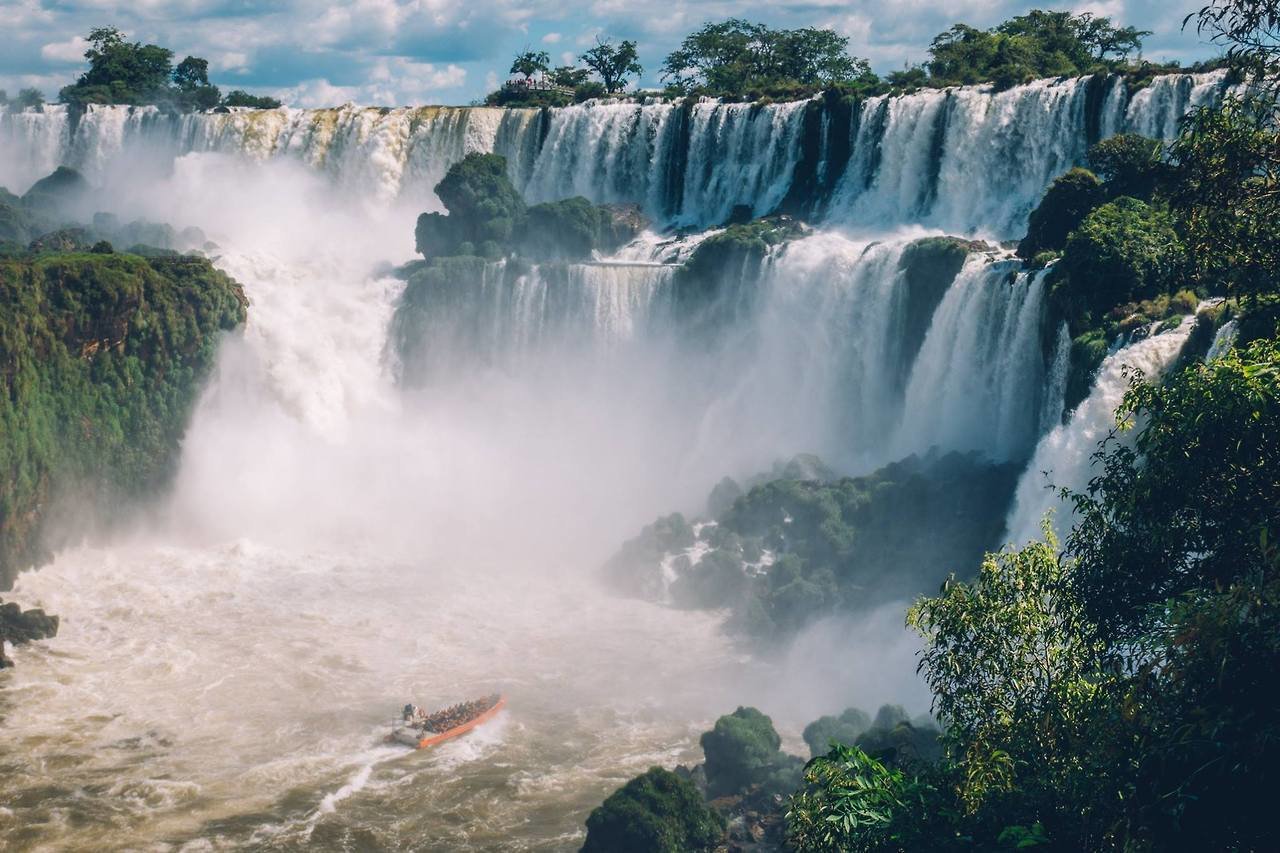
x,y
1064,458
980,380
965,160
347,532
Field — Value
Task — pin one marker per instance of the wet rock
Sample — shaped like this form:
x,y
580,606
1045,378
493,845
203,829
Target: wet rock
x,y
18,626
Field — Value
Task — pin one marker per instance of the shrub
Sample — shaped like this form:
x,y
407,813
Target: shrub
x,y
656,812
1069,199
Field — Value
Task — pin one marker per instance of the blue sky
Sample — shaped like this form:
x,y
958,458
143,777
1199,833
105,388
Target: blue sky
x,y
393,52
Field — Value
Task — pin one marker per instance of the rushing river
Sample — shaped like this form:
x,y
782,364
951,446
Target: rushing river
x,y
338,542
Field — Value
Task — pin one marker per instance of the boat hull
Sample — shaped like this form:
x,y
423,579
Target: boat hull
x,y
416,739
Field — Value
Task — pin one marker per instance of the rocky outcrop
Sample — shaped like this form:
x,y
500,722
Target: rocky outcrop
x,y
102,356
18,626
800,542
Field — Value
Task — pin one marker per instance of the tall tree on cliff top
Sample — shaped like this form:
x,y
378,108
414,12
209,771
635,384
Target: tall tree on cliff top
x,y
613,63
735,55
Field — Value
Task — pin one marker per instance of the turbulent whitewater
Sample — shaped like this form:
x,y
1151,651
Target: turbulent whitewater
x,y
360,521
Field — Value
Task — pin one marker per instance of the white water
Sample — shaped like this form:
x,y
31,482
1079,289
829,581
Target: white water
x,y
337,544
964,160
1064,458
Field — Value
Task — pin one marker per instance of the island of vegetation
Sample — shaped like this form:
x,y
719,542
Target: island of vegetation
x,y
102,355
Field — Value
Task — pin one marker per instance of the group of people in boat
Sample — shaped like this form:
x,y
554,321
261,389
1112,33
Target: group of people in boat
x,y
448,718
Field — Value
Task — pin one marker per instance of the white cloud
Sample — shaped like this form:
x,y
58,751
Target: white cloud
x,y
401,51
71,50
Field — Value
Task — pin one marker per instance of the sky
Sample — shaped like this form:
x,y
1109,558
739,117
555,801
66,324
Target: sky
x,y
400,52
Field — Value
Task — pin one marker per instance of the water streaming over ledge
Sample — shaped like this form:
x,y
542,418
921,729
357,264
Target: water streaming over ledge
x,y
339,542
965,160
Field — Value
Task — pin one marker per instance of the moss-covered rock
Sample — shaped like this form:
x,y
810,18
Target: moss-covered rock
x,y
101,360
928,268
845,728
743,751
573,228
1066,203
483,207
57,194
801,543
713,287
656,812
1124,251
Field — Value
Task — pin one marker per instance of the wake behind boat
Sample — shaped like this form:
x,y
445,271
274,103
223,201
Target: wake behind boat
x,y
420,730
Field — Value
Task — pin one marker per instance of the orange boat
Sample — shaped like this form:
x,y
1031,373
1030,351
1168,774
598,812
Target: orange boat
x,y
421,730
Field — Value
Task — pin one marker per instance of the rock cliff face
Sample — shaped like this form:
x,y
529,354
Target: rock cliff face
x,y
102,355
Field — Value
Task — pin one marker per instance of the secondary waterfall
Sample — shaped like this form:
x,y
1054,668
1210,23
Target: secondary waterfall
x,y
965,160
1064,458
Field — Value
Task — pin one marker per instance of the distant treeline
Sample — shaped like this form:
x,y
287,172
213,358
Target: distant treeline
x,y
741,59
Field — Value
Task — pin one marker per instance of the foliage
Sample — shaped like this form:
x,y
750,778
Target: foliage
x,y
1069,199
241,98
656,812
482,203
1251,31
101,359
27,99
124,72
571,229
1129,164
743,751
570,77
795,547
825,732
852,802
1184,506
529,63
1037,44
487,217
735,56
1226,175
1123,251
613,64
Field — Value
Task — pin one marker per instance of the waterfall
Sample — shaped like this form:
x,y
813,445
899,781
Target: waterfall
x,y
980,381
501,315
1064,457
965,160
1157,109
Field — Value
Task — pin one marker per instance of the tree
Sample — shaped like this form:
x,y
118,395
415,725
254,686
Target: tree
x,y
1251,31
191,79
1129,164
241,98
656,812
1037,44
29,99
191,73
570,77
1187,505
613,64
852,802
1226,195
530,63
735,55
1030,712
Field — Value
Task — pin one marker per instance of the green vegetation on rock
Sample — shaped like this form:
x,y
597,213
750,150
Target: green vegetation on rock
x,y
744,751
488,217
790,550
656,812
101,359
